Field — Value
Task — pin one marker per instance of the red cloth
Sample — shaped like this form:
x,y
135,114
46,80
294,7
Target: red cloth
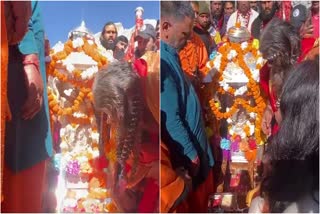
x,y
284,12
264,85
99,163
315,23
23,191
197,201
149,201
129,56
141,66
306,46
150,150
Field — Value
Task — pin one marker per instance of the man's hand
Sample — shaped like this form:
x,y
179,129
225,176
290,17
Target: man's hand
x,y
183,173
266,121
306,29
195,166
34,86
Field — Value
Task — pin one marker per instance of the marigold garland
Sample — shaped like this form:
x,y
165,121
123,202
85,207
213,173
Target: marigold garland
x,y
75,80
252,86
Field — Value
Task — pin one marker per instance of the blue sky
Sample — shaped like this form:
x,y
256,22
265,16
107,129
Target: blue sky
x,y
59,17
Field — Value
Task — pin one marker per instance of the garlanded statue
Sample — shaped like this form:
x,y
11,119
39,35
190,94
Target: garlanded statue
x,y
81,183
238,106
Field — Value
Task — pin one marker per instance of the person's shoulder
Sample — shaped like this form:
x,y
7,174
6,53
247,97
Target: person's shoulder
x,y
196,39
306,204
233,15
254,13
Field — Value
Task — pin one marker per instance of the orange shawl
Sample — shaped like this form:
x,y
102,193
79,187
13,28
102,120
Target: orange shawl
x,y
172,185
194,56
152,82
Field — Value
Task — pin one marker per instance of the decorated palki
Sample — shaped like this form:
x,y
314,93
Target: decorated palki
x,y
237,102
82,170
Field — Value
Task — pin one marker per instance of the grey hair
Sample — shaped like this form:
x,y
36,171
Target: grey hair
x,y
176,9
280,45
117,90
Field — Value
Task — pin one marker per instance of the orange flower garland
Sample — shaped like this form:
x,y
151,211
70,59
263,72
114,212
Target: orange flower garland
x,y
252,86
84,86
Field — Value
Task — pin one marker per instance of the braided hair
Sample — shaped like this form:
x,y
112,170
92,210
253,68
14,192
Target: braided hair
x,y
280,45
117,92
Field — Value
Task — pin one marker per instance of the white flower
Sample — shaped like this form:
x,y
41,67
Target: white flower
x,y
78,42
82,159
217,62
252,115
70,202
63,145
229,120
256,75
231,131
95,153
88,74
232,54
95,136
68,92
80,58
224,85
58,47
251,126
79,115
62,132
241,90
260,60
90,42
244,45
70,68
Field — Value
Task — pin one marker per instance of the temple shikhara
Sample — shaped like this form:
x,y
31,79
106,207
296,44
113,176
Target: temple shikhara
x,y
82,176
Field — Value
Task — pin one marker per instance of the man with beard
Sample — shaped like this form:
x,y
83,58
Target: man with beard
x,y
245,15
228,9
216,15
202,27
146,40
267,12
120,47
309,32
193,57
108,36
254,6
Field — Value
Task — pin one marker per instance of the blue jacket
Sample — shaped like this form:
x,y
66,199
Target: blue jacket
x,y
28,142
182,127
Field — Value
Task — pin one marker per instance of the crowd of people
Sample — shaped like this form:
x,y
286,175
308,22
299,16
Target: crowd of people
x,y
154,95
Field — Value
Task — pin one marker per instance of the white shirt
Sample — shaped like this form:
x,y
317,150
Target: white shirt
x,y
233,19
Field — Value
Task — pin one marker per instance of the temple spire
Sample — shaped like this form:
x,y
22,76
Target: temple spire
x,y
80,31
